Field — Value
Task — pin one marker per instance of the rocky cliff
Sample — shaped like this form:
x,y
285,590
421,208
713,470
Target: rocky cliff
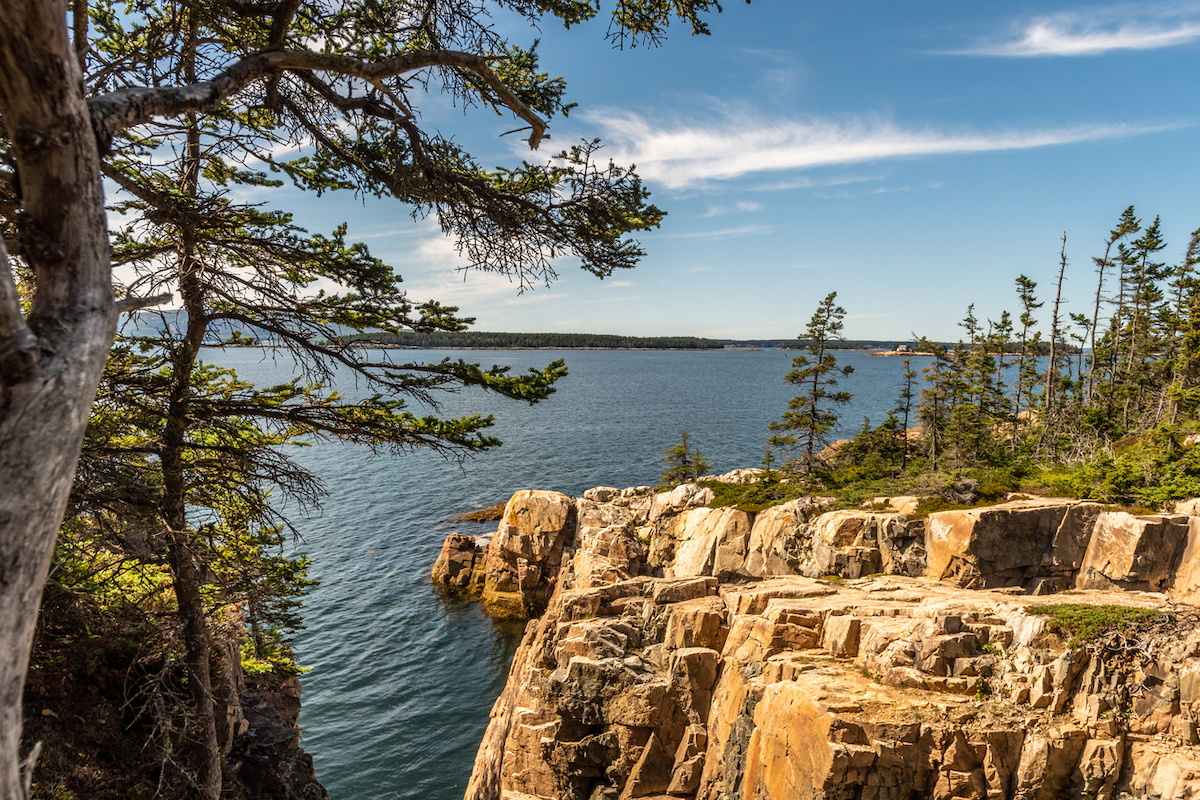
x,y
101,697
686,651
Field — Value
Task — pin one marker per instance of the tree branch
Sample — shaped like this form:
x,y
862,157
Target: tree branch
x,y
18,345
134,303
132,106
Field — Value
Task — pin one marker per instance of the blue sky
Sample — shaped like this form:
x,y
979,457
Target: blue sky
x,y
913,157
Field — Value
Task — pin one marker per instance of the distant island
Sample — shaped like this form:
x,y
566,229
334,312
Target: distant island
x,y
483,340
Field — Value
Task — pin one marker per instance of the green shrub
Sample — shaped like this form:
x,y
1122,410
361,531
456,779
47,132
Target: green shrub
x,y
1086,623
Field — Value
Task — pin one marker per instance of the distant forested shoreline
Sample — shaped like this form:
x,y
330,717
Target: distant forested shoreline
x,y
500,341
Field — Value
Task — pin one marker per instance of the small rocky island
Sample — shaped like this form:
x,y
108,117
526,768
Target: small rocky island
x,y
1037,649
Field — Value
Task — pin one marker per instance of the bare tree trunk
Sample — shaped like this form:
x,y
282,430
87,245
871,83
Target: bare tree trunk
x,y
203,755
1100,265
50,362
1052,373
1053,376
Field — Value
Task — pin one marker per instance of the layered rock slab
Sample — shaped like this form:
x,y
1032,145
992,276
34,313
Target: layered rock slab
x,y
697,685
795,688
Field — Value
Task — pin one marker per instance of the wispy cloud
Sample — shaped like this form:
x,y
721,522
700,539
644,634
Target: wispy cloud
x,y
434,269
1148,26
682,155
814,183
722,233
739,206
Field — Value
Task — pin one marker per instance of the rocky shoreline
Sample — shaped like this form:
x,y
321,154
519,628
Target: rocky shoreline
x,y
677,650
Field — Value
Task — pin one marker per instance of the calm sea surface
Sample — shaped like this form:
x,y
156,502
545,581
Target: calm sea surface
x,y
403,678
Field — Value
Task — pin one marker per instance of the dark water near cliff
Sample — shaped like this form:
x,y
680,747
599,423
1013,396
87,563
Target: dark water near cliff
x,y
403,678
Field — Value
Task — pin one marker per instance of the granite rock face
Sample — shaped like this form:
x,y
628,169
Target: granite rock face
x,y
709,654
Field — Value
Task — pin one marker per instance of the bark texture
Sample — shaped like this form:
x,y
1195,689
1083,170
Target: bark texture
x,y
50,361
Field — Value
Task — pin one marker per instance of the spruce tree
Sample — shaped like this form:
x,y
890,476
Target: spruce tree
x,y
904,407
1027,371
682,464
803,428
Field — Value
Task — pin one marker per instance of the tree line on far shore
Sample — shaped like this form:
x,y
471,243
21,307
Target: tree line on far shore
x,y
499,341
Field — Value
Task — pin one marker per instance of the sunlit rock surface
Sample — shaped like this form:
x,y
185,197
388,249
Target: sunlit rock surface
x,y
693,652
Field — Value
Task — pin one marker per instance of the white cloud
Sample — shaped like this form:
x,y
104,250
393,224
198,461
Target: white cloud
x,y
740,205
680,155
1101,30
433,269
813,183
723,233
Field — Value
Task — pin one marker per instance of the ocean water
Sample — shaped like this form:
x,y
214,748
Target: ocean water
x,y
402,677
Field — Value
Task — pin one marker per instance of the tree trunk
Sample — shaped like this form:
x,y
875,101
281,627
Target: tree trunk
x,y
50,362
203,755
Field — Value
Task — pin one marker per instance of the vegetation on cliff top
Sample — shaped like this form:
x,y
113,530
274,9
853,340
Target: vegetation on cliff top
x,y
1086,623
1018,405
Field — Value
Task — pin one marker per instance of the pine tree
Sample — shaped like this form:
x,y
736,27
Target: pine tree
x,y
682,464
1027,372
933,409
1127,225
808,417
212,87
904,407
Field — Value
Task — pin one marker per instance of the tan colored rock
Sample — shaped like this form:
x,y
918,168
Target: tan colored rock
x,y
1185,585
779,540
886,686
844,543
602,494
524,555
696,623
1190,507
789,754
606,555
1133,552
901,504
737,476
711,541
454,566
840,635
1017,543
682,497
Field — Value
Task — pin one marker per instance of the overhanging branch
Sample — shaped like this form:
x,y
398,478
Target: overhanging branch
x,y
134,303
125,108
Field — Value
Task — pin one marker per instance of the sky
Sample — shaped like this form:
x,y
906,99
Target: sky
x,y
914,158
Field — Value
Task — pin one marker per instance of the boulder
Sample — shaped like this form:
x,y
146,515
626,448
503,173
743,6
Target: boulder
x,y
779,540
710,541
524,555
1185,586
606,555
1133,552
455,565
853,543
684,496
1024,543
738,476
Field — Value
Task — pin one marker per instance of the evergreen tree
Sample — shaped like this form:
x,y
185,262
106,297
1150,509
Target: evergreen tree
x,y
1127,225
904,407
809,418
682,464
1027,372
933,409
169,101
